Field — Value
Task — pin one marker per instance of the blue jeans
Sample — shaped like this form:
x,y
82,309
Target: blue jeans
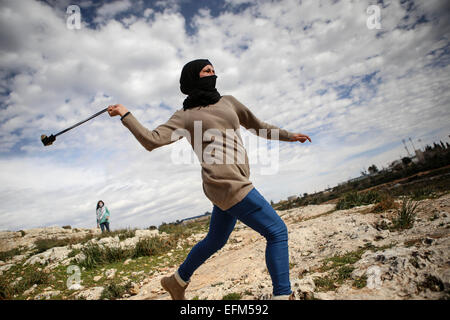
x,y
104,225
255,212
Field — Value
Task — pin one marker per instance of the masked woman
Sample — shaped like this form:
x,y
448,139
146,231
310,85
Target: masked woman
x,y
102,216
225,181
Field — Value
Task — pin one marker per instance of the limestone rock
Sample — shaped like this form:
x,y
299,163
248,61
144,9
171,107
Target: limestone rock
x,y
47,295
76,286
97,278
146,233
304,288
93,293
5,267
52,255
110,273
30,290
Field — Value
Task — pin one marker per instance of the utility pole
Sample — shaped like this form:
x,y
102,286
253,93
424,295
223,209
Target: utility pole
x,y
412,144
421,144
403,140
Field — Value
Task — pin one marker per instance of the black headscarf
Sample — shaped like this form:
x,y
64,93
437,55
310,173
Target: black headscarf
x,y
98,204
200,91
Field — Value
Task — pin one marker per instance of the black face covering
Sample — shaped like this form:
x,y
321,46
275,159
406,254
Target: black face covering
x,y
200,91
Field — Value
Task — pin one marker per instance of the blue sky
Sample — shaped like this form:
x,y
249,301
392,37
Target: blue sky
x,y
306,66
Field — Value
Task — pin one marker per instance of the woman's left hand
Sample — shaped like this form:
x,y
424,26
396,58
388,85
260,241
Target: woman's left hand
x,y
300,137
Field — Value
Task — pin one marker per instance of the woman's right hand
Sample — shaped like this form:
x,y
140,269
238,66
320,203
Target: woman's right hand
x,y
117,110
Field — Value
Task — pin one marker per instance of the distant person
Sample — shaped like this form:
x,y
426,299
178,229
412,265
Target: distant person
x,y
228,186
102,216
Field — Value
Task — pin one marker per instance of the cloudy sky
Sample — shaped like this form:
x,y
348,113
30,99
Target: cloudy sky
x,y
323,68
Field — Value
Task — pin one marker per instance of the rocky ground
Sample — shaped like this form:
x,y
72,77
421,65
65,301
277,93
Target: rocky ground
x,y
334,254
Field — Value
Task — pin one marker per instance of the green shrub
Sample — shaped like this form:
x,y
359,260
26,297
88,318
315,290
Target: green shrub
x,y
126,234
114,291
35,276
121,233
73,253
405,215
96,255
30,277
6,255
360,282
175,230
386,202
45,244
344,273
232,296
338,276
422,193
342,260
6,291
153,246
325,283
113,254
93,256
342,268
179,230
354,199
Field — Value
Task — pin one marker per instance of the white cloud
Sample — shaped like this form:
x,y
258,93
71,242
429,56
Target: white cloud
x,y
111,9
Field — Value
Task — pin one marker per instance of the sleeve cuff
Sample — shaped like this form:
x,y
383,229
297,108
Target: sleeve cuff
x,y
121,118
290,135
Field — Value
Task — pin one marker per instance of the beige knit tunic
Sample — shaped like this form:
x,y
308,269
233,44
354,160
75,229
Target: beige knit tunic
x,y
223,158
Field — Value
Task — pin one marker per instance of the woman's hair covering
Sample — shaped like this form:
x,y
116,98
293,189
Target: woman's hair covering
x,y
98,204
200,91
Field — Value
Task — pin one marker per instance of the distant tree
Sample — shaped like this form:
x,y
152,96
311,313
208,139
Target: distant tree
x,y
373,169
162,225
406,160
305,194
271,202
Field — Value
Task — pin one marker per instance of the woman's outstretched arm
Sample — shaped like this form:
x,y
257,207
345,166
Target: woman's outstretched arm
x,y
248,120
149,139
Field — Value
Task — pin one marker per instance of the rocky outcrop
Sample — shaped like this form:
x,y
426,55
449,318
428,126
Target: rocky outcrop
x,y
93,293
51,256
26,238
